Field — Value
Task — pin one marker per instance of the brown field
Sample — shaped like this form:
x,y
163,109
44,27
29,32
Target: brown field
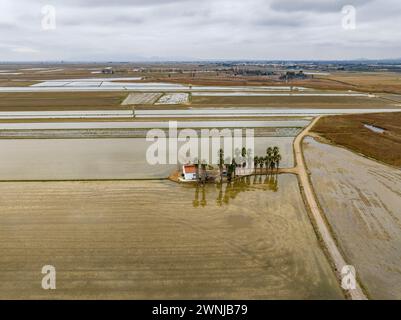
x,y
61,101
10,83
361,201
69,71
386,82
382,82
319,102
349,131
109,240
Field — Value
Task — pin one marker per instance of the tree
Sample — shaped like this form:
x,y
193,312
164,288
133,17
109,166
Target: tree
x,y
267,162
276,156
261,164
277,160
272,164
243,154
269,153
256,163
230,172
234,166
276,150
221,163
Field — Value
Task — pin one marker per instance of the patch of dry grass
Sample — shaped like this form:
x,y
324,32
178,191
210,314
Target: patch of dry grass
x,y
349,131
295,101
45,101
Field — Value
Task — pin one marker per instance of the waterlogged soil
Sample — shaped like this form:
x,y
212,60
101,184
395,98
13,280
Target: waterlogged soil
x,y
362,202
86,159
161,240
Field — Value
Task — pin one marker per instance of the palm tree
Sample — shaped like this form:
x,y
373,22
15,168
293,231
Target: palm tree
x,y
269,160
256,163
221,163
277,160
269,153
266,159
243,154
272,164
261,164
234,166
276,156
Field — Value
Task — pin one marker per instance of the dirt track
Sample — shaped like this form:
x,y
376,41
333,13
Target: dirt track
x,y
319,222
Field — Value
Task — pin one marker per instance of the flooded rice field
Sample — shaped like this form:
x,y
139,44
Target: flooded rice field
x,y
362,202
290,94
84,159
250,112
374,128
148,124
108,240
107,84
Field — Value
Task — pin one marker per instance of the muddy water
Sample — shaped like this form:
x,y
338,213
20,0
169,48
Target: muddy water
x,y
157,239
81,159
362,202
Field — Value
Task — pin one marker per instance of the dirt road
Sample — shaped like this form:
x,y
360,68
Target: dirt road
x,y
319,222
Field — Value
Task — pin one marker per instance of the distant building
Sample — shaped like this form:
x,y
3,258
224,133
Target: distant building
x,y
290,75
108,70
189,172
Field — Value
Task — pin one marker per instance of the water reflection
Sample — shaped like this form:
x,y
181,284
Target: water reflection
x,y
227,192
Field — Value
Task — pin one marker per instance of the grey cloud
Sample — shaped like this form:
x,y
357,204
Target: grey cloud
x,y
315,5
118,3
262,29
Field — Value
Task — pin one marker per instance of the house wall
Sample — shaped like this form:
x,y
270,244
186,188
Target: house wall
x,y
190,176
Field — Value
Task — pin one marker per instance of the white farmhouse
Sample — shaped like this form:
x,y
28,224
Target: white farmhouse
x,y
189,172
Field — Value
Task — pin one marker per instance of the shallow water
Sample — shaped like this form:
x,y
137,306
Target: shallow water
x,y
66,85
257,94
361,199
75,159
146,124
251,112
374,128
153,240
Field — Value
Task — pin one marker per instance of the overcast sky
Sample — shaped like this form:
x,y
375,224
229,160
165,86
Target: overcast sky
x,y
128,30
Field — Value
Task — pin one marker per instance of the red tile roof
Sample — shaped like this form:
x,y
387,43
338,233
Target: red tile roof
x,y
189,169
